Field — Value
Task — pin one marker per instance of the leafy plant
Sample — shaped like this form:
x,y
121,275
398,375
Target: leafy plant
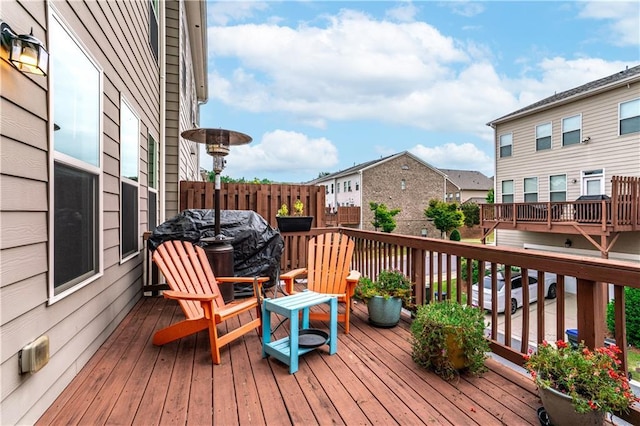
x,y
632,314
383,217
471,213
446,216
490,196
439,325
592,379
390,283
455,235
298,209
283,210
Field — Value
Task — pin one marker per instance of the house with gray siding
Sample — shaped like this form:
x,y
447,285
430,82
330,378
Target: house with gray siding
x,y
91,158
568,171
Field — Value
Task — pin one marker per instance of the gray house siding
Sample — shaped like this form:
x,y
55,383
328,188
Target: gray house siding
x,y
80,322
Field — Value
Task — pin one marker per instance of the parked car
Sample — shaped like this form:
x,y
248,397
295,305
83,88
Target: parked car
x,y
516,290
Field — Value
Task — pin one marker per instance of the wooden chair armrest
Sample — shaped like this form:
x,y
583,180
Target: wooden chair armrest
x,y
179,295
289,277
242,279
353,276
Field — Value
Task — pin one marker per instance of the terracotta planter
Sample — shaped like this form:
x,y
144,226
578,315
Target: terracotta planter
x,y
384,312
294,223
561,412
455,352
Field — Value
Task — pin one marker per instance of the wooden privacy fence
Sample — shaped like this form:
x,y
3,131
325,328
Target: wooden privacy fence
x,y
264,199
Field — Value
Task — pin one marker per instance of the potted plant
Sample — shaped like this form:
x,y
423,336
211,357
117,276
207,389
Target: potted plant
x,y
385,296
295,223
578,386
449,337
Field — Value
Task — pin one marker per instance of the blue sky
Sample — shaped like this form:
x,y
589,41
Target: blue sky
x,y
323,85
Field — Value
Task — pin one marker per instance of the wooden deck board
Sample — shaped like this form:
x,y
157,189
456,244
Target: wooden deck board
x,y
371,380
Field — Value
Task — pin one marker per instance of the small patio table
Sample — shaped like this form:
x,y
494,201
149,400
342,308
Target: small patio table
x,y
288,349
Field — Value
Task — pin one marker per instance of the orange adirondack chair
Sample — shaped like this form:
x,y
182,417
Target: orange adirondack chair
x,y
328,262
189,275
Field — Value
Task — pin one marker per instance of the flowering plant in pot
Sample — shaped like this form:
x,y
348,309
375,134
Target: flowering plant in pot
x,y
591,380
295,223
385,296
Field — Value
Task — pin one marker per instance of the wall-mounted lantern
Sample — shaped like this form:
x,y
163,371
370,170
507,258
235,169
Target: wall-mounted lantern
x,y
26,52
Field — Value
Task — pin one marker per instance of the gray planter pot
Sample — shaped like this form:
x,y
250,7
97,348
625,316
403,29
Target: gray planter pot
x,y
561,412
384,312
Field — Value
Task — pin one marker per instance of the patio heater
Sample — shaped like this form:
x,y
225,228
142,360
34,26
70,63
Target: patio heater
x,y
219,249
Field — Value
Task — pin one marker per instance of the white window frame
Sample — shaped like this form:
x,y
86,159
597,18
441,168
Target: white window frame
x,y
124,103
593,174
542,134
512,193
579,129
503,143
69,161
152,187
551,191
524,184
620,118
403,184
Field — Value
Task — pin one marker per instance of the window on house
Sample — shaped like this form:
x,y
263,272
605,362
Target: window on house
x,y
543,136
630,117
332,188
349,186
338,188
357,186
403,184
506,142
152,182
571,130
558,188
531,190
129,155
153,27
507,191
75,98
457,196
326,188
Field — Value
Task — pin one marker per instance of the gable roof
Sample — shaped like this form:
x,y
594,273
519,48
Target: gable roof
x,y
468,179
369,164
606,83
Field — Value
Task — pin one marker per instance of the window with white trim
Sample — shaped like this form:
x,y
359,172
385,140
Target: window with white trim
x,y
403,184
571,130
76,99
543,136
506,142
152,182
558,188
129,167
507,191
531,190
630,117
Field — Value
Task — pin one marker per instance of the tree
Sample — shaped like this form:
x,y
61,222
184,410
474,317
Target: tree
x,y
471,214
383,217
446,216
228,179
490,196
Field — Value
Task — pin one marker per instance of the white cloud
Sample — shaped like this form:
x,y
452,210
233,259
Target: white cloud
x,y
283,152
223,12
465,156
623,28
406,12
465,8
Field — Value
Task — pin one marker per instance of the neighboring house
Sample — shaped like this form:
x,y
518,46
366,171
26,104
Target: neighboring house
x,y
569,145
400,181
91,158
465,186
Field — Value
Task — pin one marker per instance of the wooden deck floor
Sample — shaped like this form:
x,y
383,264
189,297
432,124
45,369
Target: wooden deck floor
x,y
371,380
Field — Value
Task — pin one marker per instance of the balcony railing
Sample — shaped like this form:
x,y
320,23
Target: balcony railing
x,y
437,266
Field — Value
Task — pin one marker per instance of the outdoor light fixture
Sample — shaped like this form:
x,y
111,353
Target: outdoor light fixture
x,y
26,52
218,248
218,142
567,243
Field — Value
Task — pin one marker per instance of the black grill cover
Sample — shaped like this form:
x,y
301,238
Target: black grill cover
x,y
257,247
